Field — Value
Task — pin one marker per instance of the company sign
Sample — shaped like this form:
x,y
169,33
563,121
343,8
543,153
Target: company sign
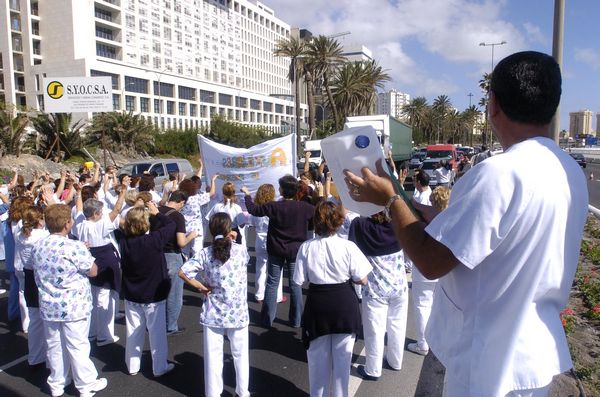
x,y
78,94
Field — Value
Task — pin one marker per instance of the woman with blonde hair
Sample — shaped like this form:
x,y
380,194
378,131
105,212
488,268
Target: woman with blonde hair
x,y
145,287
229,206
264,194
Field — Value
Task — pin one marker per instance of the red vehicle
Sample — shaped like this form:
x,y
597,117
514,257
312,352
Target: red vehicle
x,y
443,152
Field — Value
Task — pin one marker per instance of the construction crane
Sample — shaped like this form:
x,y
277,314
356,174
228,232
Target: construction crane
x,y
333,36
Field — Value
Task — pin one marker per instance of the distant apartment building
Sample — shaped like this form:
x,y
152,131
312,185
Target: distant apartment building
x,y
598,124
357,53
580,123
175,62
391,102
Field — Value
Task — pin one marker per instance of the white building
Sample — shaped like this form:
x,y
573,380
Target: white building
x,y
357,53
391,103
580,123
176,62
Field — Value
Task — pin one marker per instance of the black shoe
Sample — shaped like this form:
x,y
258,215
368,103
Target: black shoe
x,y
361,372
176,332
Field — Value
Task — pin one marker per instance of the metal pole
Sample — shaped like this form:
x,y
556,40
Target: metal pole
x,y
470,97
557,53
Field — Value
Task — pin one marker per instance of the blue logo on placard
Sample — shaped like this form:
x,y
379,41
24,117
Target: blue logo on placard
x,y
362,141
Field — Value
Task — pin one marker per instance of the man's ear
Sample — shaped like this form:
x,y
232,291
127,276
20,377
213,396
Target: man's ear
x,y
493,107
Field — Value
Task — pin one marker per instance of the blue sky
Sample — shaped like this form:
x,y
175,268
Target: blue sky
x,y
431,47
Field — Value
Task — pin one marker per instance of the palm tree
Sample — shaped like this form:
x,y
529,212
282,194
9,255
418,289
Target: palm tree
x,y
325,54
441,109
470,116
13,130
127,132
295,49
415,112
485,84
53,125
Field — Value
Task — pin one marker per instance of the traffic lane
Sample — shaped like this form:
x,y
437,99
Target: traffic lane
x,y
593,184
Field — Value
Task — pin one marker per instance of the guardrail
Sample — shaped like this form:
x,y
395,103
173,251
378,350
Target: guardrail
x,y
594,210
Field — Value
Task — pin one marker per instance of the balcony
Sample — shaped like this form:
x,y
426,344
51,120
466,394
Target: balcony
x,y
20,88
104,15
35,10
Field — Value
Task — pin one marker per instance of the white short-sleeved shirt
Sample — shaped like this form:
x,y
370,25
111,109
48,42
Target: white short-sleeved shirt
x,y
227,304
443,175
330,260
16,229
95,234
60,267
515,223
423,197
230,208
26,245
192,212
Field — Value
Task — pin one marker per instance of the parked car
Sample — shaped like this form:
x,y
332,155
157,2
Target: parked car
x,y
160,168
416,160
429,166
580,158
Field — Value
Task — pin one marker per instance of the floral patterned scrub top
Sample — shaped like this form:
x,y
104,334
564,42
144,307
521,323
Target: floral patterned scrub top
x,y
388,278
227,304
192,212
60,267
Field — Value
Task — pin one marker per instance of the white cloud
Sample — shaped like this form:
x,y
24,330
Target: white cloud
x,y
535,35
450,30
588,56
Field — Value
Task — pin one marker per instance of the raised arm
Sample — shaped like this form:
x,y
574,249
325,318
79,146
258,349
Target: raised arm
x,y
14,179
306,162
213,186
61,184
119,204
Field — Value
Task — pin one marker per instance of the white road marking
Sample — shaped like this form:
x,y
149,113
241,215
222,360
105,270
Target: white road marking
x,y
13,363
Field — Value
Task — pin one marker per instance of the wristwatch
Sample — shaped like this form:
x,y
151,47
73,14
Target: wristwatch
x,y
386,210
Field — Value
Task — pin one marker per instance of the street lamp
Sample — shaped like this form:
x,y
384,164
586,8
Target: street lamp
x,y
488,93
159,75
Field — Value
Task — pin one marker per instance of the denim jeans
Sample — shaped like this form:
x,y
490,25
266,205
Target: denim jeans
x,y
269,308
175,298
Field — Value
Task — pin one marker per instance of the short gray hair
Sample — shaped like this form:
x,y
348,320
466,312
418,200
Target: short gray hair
x,y
92,207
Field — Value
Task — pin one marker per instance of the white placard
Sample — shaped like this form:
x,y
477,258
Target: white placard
x,y
262,163
352,149
77,94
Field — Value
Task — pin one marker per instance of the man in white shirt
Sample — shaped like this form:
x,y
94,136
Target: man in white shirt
x,y
422,189
507,246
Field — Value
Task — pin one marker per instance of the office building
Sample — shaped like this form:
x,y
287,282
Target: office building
x,y
580,123
391,102
176,62
356,52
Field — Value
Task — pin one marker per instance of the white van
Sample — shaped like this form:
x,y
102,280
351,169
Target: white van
x,y
160,168
314,147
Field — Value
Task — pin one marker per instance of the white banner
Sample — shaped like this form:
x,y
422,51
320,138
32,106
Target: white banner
x,y
77,94
252,167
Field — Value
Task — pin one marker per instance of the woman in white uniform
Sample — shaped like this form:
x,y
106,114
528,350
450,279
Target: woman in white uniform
x,y
331,317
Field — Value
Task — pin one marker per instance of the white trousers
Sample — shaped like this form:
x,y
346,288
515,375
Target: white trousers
x,y
422,300
102,324
22,304
213,360
261,277
329,361
379,316
36,339
456,389
69,348
139,317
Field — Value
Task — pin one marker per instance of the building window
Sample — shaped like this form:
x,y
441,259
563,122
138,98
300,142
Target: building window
x,y
134,84
278,108
225,99
182,109
207,96
254,104
106,51
116,102
144,105
192,110
187,93
170,107
129,103
113,77
267,106
165,89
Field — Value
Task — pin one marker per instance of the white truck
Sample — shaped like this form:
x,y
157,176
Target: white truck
x,y
314,147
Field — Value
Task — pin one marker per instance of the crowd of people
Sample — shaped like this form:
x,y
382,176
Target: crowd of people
x,y
491,266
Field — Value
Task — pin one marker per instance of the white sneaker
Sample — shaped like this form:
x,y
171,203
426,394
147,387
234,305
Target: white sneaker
x,y
107,341
100,384
170,367
2,291
414,347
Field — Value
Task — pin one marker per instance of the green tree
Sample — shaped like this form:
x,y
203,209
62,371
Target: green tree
x,y
295,49
325,55
416,112
49,126
237,135
178,143
124,132
485,84
470,118
13,130
441,108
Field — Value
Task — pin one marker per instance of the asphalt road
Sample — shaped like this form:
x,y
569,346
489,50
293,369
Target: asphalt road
x,y
593,184
277,362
